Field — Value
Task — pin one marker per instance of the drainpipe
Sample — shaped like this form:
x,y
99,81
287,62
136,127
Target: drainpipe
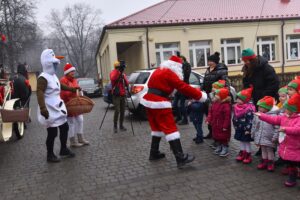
x,y
147,44
282,46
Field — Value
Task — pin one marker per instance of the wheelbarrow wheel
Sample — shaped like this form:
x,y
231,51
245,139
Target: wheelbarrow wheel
x,y
18,128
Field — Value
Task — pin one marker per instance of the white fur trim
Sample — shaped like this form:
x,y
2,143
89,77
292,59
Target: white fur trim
x,y
157,133
203,97
174,67
156,104
69,70
173,136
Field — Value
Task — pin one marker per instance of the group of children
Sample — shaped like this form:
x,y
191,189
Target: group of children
x,y
266,124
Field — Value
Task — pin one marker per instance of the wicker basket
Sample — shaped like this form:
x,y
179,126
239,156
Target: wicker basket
x,y
19,115
79,105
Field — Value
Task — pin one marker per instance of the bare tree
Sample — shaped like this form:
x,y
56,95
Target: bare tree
x,y
78,28
18,24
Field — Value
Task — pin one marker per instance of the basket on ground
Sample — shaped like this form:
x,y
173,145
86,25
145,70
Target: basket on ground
x,y
79,105
18,115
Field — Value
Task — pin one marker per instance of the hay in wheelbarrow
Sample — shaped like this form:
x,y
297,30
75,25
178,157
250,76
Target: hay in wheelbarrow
x,y
17,115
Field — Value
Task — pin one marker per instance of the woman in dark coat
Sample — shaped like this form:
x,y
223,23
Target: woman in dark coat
x,y
262,76
258,73
215,72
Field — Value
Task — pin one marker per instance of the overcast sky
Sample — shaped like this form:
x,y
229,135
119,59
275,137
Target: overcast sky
x,y
111,9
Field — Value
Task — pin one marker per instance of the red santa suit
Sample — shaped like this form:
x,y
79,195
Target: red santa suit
x,y
166,79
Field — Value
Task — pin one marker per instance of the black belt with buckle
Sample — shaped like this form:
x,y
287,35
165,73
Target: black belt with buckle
x,y
158,92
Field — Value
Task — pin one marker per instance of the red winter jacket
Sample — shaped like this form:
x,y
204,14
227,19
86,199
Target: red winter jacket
x,y
66,96
219,117
115,82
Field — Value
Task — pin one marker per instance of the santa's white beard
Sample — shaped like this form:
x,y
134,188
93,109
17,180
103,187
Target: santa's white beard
x,y
174,67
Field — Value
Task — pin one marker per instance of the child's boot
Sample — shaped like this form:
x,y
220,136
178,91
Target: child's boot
x,y
271,166
248,158
218,149
263,164
240,157
225,151
292,180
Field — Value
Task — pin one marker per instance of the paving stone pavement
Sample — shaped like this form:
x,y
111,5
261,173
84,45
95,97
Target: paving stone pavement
x,y
116,166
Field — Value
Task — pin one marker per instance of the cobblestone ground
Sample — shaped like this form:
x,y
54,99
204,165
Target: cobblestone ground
x,y
116,166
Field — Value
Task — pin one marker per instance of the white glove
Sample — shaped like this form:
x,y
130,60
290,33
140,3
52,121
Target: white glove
x,y
204,97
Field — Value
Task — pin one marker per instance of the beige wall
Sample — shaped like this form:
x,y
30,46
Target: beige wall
x,y
214,32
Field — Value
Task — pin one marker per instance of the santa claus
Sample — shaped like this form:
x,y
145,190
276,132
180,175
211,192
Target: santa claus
x,y
164,80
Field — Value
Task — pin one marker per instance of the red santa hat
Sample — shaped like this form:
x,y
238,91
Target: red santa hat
x,y
175,64
267,102
68,68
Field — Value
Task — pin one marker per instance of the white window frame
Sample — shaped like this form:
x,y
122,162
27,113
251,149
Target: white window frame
x,y
225,45
289,41
194,47
161,50
270,42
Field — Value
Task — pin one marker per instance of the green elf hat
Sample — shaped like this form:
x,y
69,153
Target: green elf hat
x,y
267,102
293,104
248,54
283,90
295,84
245,95
219,84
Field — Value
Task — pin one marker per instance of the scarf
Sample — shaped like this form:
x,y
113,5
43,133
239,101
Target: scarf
x,y
241,109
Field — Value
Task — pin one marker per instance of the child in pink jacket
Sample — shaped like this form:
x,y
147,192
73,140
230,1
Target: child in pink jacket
x,y
289,136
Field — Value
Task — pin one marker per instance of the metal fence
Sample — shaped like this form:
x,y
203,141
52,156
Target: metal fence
x,y
237,81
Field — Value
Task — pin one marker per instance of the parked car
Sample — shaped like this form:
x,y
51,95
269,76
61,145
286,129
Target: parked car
x,y
139,86
90,87
107,96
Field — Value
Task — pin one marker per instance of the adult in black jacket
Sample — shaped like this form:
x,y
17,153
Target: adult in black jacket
x,y
215,72
21,87
258,73
181,113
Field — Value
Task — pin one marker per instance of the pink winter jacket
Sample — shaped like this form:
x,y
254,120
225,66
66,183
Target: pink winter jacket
x,y
289,149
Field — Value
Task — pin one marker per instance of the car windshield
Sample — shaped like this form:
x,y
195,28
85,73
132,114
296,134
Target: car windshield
x,y
142,78
133,77
86,82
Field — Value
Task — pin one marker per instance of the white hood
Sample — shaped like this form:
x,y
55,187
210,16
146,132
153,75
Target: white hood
x,y
47,60
174,66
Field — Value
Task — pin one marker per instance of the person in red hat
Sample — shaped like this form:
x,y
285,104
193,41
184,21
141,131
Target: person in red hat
x,y
164,81
242,121
289,136
219,118
265,134
75,122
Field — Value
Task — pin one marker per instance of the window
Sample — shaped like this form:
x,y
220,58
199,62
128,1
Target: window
x,y
165,51
293,47
266,47
199,51
231,51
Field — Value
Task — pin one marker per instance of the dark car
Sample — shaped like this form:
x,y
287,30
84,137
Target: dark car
x,y
107,96
90,87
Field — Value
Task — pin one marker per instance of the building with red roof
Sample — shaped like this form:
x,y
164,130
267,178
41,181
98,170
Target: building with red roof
x,y
198,28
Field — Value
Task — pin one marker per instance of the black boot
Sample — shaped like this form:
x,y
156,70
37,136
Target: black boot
x,y
52,158
181,158
209,135
66,153
115,128
155,154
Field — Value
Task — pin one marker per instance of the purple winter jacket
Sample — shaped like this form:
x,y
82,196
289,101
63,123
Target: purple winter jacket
x,y
289,149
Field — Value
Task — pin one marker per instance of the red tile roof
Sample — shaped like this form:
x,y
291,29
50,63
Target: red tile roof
x,y
210,11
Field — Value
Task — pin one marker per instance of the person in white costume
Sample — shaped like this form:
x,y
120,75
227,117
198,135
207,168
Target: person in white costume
x,y
52,112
